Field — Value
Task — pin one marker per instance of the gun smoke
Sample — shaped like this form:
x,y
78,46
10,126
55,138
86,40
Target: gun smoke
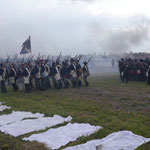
x,y
120,40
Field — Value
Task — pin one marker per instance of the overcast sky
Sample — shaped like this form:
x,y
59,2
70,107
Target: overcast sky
x,y
75,26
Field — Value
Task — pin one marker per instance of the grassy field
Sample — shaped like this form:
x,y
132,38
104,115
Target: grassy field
x,y
106,102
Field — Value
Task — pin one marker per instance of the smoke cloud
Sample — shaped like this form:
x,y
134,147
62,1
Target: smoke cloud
x,y
120,40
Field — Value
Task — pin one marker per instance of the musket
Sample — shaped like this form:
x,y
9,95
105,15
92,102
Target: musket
x,y
68,58
38,56
76,57
8,57
31,59
80,57
48,58
43,57
15,58
89,59
59,57
52,59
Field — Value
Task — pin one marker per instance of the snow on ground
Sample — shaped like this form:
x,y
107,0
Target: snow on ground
x,y
30,125
17,116
1,103
122,140
3,107
55,138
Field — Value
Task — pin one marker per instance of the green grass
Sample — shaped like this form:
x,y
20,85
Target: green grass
x,y
106,102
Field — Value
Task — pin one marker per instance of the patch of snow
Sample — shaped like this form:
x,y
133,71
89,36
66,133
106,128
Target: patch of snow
x,y
3,107
30,125
122,140
1,103
58,137
17,116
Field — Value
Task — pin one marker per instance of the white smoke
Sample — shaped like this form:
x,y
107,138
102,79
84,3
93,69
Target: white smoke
x,y
120,40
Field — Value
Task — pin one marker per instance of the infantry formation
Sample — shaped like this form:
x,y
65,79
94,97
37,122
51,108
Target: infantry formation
x,y
134,70
42,74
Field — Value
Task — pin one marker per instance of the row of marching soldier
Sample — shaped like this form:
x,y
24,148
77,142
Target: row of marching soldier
x,y
42,75
134,70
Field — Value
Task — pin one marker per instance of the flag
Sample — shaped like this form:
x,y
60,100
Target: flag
x,y
26,46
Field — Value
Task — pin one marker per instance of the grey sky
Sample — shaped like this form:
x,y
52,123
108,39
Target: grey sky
x,y
74,26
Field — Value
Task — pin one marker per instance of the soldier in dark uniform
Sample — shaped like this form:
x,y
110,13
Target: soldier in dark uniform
x,y
86,73
2,78
64,74
79,73
53,73
36,72
57,76
13,77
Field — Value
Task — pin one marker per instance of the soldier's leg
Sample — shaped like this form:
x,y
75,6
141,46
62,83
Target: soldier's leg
x,y
55,83
148,80
37,84
14,87
85,80
3,87
126,78
48,83
67,82
31,83
26,87
79,83
43,83
59,84
64,82
74,82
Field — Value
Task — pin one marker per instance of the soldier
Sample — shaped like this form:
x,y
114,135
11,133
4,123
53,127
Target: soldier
x,y
43,76
19,74
79,73
125,72
148,75
26,76
56,76
64,74
113,63
13,77
86,73
73,74
2,78
120,68
36,72
48,84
